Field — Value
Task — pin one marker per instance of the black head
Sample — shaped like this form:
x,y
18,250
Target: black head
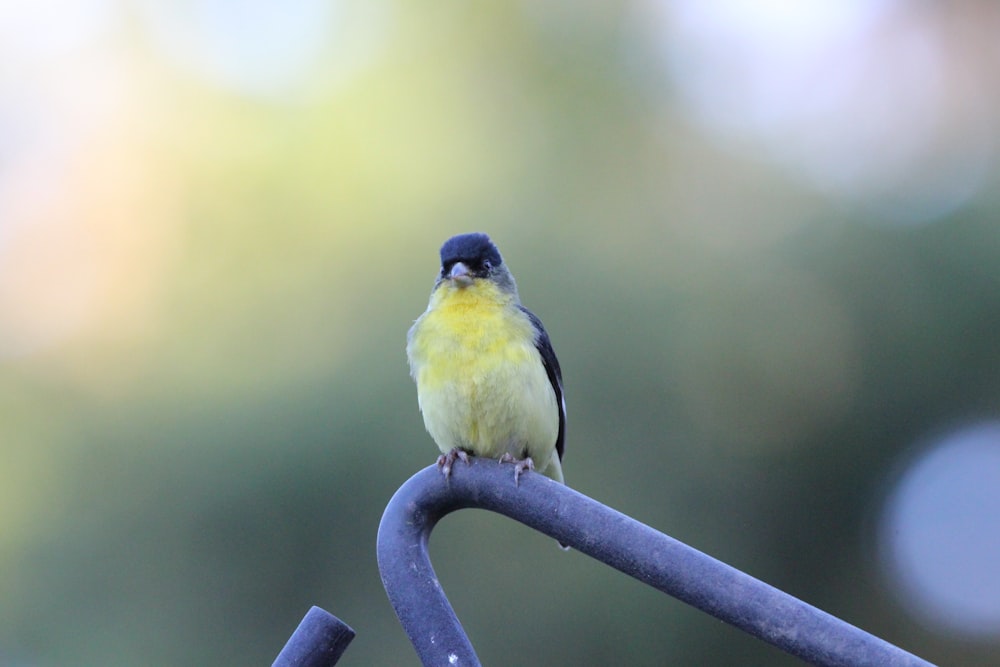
x,y
474,250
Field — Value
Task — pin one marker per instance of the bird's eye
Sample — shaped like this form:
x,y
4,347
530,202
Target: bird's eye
x,y
487,265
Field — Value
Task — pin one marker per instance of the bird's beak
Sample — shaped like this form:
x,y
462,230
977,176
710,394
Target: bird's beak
x,y
460,275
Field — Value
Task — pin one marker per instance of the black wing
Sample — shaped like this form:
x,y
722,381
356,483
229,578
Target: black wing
x,y
544,346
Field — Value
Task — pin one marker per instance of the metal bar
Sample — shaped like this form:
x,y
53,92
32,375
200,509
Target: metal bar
x,y
612,538
319,641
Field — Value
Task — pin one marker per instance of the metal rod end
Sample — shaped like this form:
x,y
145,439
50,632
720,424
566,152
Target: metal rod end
x,y
319,641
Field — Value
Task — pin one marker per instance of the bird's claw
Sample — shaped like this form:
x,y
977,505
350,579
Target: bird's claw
x,y
445,461
520,465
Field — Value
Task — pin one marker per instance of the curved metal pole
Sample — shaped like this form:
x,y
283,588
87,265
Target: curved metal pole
x,y
612,538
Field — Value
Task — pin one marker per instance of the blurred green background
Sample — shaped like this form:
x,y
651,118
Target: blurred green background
x,y
764,241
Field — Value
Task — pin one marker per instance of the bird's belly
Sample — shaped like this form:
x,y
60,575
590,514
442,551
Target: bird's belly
x,y
490,402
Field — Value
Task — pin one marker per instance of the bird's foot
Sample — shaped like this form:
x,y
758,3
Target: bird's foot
x,y
520,465
445,461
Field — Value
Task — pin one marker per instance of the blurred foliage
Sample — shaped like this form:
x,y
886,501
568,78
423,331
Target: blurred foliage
x,y
207,452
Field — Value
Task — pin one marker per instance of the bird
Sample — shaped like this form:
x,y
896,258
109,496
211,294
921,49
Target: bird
x,y
488,381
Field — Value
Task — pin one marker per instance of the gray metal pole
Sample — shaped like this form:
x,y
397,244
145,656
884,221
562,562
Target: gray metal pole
x,y
319,641
612,538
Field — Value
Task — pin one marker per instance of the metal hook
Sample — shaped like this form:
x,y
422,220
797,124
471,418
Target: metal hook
x,y
612,538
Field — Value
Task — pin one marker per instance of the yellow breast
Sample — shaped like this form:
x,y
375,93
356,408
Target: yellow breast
x,y
481,383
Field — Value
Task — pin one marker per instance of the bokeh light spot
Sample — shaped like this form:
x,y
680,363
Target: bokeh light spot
x,y
875,102
262,49
51,30
940,537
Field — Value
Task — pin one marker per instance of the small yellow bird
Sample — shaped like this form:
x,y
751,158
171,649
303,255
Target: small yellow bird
x,y
488,381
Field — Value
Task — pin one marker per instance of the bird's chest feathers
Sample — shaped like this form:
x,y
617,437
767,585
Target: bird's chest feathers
x,y
481,382
467,336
